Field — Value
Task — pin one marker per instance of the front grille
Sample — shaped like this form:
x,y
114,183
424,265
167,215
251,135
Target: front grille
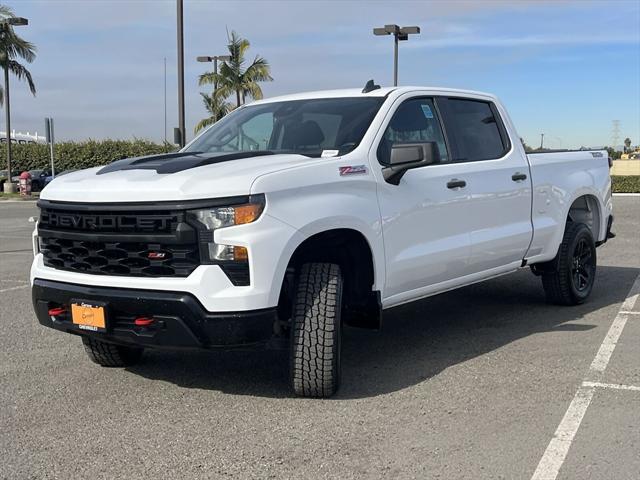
x,y
120,258
128,243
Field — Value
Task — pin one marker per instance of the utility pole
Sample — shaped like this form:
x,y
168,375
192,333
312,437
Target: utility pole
x,y
615,134
7,111
165,100
541,141
181,126
5,24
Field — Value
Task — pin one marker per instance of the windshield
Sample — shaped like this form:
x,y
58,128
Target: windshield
x,y
317,127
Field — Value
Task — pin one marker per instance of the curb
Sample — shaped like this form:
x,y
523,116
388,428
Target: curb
x,y
626,194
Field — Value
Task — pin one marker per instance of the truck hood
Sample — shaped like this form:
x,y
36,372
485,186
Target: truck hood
x,y
179,176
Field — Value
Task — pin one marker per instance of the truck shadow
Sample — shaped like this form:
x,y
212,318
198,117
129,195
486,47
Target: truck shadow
x,y
418,340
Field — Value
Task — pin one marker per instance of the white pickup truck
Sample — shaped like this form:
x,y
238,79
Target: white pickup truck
x,y
293,216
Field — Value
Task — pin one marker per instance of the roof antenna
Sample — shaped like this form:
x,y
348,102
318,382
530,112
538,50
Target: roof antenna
x,y
370,87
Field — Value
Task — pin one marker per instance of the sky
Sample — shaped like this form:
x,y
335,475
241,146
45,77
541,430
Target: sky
x,y
563,68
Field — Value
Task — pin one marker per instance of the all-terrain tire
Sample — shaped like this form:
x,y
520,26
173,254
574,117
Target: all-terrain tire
x,y
316,331
565,285
110,355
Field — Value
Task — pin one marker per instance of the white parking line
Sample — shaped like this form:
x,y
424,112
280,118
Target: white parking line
x,y
609,344
559,445
13,288
616,386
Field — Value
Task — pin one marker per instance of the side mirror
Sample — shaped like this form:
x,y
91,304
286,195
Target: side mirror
x,y
405,156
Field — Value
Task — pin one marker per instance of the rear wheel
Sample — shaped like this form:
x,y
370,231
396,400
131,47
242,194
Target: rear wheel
x,y
571,281
316,331
110,355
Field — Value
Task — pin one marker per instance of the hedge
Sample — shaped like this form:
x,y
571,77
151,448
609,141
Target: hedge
x,y
626,184
77,155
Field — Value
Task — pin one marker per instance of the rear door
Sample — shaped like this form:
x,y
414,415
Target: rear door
x,y
497,179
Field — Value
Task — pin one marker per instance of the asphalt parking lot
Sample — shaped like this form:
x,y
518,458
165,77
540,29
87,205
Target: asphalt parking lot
x,y
484,382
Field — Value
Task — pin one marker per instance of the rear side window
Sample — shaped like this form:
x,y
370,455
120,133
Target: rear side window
x,y
414,121
474,129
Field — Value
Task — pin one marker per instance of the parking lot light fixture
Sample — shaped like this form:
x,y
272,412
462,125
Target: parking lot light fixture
x,y
214,59
399,34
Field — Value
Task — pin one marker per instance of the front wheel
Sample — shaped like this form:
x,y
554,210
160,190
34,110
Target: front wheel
x,y
316,331
571,281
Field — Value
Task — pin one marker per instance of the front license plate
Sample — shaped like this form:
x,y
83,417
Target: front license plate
x,y
88,316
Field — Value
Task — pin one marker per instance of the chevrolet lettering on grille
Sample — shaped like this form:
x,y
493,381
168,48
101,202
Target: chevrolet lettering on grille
x,y
107,222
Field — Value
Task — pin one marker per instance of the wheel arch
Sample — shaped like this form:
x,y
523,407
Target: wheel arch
x,y
352,251
585,208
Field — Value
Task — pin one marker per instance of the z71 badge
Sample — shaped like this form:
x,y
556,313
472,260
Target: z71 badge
x,y
352,170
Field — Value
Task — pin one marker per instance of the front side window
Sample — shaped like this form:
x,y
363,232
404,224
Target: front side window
x,y
308,127
415,121
473,129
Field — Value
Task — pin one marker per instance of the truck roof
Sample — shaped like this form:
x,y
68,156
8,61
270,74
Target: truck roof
x,y
357,92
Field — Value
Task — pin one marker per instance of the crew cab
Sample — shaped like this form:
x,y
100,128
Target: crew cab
x,y
296,215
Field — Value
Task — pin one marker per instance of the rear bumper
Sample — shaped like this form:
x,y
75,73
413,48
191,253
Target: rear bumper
x,y
180,320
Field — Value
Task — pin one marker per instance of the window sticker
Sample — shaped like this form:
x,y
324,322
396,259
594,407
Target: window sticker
x,y
426,110
329,153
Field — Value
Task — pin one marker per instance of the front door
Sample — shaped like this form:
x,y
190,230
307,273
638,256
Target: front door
x,y
425,218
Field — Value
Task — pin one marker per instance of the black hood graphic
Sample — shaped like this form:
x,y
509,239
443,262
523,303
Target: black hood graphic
x,y
177,162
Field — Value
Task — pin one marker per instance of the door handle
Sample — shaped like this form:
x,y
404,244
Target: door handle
x,y
518,177
455,183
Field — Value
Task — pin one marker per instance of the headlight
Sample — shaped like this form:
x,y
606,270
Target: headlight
x,y
208,220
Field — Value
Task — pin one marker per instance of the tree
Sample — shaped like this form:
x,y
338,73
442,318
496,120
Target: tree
x,y
527,148
216,106
627,144
13,46
233,78
613,153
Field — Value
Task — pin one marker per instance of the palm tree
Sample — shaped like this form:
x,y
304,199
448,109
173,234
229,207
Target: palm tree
x,y
627,144
216,106
233,78
11,47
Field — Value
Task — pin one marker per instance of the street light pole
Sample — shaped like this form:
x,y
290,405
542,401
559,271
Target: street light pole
x,y
214,59
181,126
6,23
399,34
395,60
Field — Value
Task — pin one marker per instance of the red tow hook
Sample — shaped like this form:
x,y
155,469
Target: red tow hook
x,y
144,321
54,312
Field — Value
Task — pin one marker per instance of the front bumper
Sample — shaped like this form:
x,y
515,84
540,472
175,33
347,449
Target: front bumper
x,y
270,243
180,320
